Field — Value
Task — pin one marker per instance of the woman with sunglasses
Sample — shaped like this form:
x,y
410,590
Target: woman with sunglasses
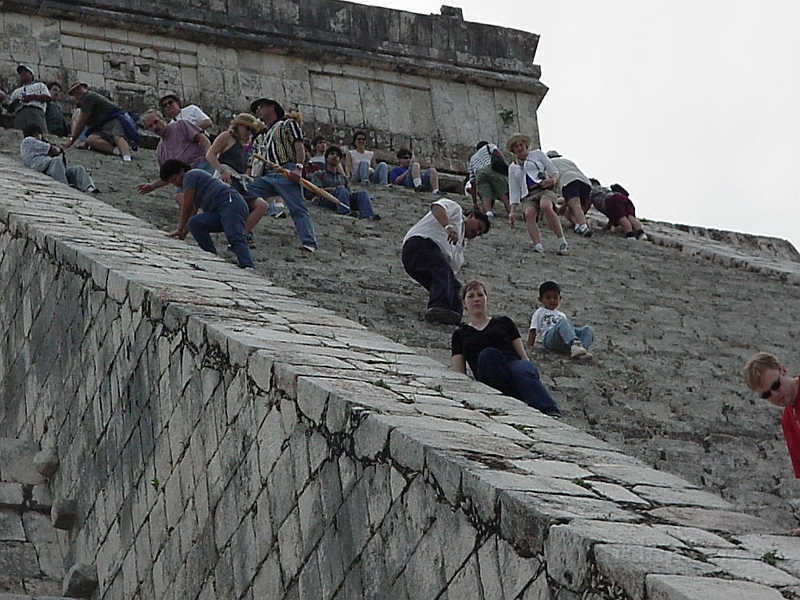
x,y
360,164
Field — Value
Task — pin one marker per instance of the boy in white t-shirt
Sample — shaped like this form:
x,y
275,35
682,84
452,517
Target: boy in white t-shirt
x,y
557,332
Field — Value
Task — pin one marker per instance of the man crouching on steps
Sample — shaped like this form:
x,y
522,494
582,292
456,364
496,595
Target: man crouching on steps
x,y
433,251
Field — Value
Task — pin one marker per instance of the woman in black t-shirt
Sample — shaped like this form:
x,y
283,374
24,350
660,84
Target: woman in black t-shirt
x,y
492,348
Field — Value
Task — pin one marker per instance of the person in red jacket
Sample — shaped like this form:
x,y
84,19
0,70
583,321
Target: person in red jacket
x,y
765,375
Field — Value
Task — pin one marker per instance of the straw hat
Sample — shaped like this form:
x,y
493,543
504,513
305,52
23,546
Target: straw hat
x,y
518,137
248,121
76,85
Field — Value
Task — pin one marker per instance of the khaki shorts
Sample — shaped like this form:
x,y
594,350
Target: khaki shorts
x,y
490,183
534,199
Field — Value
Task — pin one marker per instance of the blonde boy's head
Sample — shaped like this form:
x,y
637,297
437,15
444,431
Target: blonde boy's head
x,y
759,364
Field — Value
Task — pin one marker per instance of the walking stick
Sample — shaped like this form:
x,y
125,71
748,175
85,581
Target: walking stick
x,y
318,191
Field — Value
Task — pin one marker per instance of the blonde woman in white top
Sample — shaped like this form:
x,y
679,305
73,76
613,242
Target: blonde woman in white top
x,y
532,177
360,164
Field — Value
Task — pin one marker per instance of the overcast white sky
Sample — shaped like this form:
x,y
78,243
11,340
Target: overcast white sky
x,y
692,105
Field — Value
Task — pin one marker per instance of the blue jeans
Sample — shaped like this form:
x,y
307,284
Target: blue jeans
x,y
562,334
359,201
223,215
424,261
275,184
379,175
516,378
425,175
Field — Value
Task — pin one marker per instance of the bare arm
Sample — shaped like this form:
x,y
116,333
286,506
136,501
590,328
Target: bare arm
x,y
77,126
146,188
348,165
531,337
187,211
519,348
460,363
299,159
440,214
203,141
221,144
205,124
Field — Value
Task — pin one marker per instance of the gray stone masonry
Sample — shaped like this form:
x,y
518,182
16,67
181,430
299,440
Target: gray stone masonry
x,y
31,563
224,439
433,83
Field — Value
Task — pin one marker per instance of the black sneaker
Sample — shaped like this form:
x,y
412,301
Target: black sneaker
x,y
442,316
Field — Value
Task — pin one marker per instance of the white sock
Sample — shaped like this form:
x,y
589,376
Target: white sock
x,y
563,240
417,182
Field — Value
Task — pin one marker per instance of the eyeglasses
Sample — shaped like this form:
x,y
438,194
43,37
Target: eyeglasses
x,y
361,139
773,388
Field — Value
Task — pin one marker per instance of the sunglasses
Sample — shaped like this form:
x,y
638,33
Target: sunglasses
x,y
773,388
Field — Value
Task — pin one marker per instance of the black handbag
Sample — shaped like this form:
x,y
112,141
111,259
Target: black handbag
x,y
499,165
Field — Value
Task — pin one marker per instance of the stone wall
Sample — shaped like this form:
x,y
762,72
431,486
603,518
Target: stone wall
x,y
223,439
434,83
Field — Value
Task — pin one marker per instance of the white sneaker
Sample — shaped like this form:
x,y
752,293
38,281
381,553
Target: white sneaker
x,y
577,350
563,249
126,158
538,248
490,215
643,237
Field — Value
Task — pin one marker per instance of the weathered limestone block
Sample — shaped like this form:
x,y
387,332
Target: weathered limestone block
x,y
81,581
64,513
46,462
11,494
677,587
568,548
627,565
16,461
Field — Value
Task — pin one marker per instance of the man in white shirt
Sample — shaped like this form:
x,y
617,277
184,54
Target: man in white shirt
x,y
433,251
171,106
29,100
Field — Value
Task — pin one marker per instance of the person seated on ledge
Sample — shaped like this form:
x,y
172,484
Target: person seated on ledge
x,y
223,208
360,164
766,376
57,123
39,155
492,347
354,204
109,128
409,175
171,105
556,330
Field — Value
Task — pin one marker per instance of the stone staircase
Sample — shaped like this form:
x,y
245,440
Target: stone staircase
x,y
31,566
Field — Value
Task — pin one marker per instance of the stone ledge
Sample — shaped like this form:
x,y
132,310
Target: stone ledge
x,y
535,486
